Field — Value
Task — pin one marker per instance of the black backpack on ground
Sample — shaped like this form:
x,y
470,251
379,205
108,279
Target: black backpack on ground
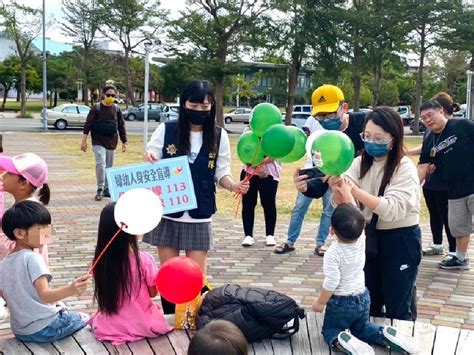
x,y
259,313
105,127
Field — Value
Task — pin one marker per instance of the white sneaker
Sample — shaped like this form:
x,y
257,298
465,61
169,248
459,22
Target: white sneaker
x,y
398,341
351,345
270,240
248,241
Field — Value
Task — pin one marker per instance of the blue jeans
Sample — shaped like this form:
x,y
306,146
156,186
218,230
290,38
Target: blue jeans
x,y
351,312
299,211
65,324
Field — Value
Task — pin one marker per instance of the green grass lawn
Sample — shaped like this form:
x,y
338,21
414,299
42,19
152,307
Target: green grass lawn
x,y
84,162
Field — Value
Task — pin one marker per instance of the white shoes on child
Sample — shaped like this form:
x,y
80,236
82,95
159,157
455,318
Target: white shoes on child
x,y
397,341
351,345
249,241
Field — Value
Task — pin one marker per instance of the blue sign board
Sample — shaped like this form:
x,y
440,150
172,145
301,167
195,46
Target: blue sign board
x,y
168,178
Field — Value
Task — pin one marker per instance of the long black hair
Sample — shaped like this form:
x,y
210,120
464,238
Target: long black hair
x,y
197,91
391,122
112,274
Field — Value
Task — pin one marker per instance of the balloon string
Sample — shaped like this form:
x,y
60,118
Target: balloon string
x,y
122,226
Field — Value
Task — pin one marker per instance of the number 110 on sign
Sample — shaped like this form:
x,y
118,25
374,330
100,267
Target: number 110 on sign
x,y
177,199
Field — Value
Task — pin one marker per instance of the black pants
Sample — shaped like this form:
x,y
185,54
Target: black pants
x,y
390,276
437,203
267,188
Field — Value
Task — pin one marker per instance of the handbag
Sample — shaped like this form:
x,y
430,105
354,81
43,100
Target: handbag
x,y
185,313
371,232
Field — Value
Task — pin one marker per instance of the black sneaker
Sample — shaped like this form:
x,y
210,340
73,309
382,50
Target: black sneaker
x,y
99,195
454,263
106,192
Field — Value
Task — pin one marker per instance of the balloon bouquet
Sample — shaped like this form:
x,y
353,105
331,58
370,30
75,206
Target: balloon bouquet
x,y
269,137
332,152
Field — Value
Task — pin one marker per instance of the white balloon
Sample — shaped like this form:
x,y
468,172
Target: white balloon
x,y
310,140
139,209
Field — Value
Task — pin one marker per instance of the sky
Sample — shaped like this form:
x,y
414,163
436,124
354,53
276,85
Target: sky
x,y
53,8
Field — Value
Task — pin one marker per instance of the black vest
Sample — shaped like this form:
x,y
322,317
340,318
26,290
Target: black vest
x,y
203,171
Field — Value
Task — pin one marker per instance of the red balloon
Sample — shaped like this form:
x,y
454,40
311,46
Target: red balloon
x,y
179,279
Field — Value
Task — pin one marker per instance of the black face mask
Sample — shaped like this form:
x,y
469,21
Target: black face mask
x,y
197,117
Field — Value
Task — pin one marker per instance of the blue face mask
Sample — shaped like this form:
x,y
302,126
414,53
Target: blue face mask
x,y
376,150
332,124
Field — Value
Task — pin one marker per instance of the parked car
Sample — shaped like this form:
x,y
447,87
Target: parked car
x,y
238,115
461,113
302,108
298,119
138,112
67,115
170,112
405,113
421,126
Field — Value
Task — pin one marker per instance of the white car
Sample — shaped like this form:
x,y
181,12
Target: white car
x,y
67,115
238,115
170,112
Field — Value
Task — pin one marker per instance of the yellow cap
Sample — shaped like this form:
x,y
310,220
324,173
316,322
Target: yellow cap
x,y
326,99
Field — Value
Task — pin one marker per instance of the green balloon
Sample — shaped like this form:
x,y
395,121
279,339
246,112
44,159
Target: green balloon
x,y
299,149
332,152
278,141
249,149
264,115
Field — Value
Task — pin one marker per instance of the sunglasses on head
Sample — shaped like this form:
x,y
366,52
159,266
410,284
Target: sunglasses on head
x,y
110,95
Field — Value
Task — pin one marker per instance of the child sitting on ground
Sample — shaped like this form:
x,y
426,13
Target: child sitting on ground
x,y
24,278
218,337
124,282
344,295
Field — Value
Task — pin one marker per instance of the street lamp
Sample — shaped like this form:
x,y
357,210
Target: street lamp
x,y
147,45
468,95
44,115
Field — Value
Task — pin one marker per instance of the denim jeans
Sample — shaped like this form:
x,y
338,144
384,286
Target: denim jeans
x,y
299,211
350,312
104,158
65,324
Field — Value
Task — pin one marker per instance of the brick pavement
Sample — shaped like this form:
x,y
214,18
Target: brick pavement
x,y
444,297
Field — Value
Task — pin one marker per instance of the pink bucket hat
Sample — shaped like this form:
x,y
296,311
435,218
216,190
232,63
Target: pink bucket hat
x,y
29,165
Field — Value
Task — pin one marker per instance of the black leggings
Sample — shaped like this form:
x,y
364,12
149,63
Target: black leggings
x,y
437,203
267,188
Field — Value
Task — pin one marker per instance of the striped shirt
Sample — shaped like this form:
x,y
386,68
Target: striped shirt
x,y
343,267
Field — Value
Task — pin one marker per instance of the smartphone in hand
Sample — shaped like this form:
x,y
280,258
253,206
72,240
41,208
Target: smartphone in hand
x,y
312,173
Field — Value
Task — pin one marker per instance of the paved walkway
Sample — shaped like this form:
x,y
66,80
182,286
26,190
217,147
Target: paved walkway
x,y
444,297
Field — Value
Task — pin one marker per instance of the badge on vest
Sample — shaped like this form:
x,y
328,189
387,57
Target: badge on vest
x,y
171,149
212,157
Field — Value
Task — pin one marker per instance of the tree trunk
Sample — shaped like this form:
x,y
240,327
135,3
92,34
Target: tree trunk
x,y
419,83
219,84
5,95
356,76
55,98
377,82
50,100
128,85
85,84
23,90
296,59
